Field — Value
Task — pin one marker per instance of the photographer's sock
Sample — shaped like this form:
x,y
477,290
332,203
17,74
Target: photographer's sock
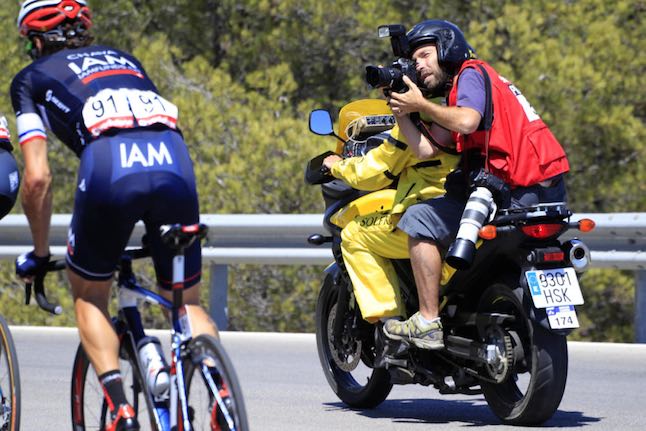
x,y
425,321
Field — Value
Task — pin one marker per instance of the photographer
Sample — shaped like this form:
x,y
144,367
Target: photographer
x,y
370,241
502,140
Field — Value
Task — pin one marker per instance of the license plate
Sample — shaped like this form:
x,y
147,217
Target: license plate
x,y
554,287
562,317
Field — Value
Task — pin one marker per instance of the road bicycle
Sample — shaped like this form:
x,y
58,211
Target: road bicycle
x,y
204,393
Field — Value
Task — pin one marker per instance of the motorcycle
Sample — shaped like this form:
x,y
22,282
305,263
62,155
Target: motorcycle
x,y
505,317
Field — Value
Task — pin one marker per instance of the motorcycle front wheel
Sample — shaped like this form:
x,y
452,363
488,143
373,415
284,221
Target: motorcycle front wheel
x,y
344,363
530,376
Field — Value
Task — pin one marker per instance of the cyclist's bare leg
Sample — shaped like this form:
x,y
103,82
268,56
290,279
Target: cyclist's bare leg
x,y
201,322
99,340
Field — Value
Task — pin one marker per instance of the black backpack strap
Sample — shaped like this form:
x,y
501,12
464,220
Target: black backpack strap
x,y
488,114
428,163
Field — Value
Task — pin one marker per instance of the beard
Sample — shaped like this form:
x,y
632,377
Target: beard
x,y
438,81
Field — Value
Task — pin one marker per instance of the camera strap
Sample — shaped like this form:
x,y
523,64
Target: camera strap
x,y
426,131
488,114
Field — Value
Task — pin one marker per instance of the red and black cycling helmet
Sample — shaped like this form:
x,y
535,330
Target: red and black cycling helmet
x,y
452,47
42,16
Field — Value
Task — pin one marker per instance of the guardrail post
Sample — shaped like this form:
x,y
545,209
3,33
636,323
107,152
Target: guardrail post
x,y
218,298
640,306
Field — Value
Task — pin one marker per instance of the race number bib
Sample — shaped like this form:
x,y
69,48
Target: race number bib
x,y
126,108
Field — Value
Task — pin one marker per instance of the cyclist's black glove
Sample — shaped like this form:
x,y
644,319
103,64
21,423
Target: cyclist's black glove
x,y
28,264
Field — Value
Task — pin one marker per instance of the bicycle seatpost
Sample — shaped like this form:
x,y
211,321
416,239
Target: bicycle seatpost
x,y
179,237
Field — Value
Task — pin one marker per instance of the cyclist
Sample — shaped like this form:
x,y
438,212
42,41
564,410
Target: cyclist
x,y
134,165
9,176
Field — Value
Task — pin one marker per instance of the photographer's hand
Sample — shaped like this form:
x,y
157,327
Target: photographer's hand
x,y
410,101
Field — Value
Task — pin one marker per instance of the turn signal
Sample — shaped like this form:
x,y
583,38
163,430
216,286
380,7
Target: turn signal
x,y
586,225
487,232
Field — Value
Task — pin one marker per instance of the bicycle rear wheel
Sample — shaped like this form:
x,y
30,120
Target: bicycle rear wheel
x,y
89,407
9,381
212,388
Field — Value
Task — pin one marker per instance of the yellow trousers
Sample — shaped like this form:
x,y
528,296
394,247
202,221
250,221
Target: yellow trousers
x,y
368,242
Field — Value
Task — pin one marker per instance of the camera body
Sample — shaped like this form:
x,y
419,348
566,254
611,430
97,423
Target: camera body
x,y
392,78
495,185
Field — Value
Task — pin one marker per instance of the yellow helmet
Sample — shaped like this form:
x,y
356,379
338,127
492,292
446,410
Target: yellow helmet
x,y
365,115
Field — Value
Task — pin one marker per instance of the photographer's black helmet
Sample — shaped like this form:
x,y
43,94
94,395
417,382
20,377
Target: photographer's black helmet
x,y
452,47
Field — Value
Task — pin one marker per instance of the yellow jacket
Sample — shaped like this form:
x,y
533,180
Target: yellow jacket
x,y
418,180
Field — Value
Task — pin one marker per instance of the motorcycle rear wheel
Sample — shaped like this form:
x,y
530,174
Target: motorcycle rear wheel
x,y
543,370
340,360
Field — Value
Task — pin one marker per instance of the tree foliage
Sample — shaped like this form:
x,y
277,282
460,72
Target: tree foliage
x,y
245,75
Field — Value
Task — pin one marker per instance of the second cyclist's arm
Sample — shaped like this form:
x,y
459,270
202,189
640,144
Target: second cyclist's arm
x,y
36,195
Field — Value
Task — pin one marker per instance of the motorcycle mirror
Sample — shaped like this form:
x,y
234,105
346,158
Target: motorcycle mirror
x,y
321,122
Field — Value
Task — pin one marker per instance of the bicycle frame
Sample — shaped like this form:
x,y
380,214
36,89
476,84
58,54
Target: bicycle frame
x,y
129,293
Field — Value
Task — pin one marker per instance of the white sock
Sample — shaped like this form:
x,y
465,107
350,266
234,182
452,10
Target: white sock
x,y
425,321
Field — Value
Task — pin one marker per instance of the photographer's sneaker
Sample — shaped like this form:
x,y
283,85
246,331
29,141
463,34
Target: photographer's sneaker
x,y
425,335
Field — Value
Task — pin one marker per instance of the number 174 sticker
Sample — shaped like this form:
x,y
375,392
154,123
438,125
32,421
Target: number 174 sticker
x,y
562,317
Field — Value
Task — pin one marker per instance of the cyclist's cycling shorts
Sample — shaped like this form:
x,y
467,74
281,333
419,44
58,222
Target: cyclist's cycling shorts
x,y
134,175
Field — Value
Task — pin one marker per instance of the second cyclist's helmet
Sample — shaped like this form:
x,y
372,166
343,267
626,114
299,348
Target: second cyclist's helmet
x,y
452,47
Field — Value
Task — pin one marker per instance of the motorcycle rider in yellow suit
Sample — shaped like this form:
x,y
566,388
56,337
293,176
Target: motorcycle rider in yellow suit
x,y
370,241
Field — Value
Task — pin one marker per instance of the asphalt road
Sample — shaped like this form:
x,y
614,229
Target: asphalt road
x,y
285,389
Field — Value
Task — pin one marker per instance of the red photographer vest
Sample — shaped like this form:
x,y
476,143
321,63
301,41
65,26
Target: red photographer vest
x,y
521,150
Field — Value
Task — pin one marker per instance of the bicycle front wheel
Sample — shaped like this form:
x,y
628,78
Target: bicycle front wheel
x,y
212,388
9,381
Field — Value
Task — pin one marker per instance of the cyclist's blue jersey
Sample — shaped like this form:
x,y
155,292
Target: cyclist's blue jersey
x,y
82,93
134,163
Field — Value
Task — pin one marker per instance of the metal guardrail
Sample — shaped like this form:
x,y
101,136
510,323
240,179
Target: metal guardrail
x,y
618,241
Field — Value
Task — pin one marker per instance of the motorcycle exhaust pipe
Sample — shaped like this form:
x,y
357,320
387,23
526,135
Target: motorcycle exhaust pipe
x,y
579,255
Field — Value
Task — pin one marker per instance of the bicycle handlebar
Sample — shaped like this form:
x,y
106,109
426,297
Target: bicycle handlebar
x,y
39,288
177,237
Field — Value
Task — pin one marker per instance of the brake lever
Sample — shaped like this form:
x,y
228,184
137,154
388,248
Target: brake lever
x,y
27,293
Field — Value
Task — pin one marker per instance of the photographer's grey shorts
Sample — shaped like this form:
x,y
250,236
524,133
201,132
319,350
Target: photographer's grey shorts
x,y
438,219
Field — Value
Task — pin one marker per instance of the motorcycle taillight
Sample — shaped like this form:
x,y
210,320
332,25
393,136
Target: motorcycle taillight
x,y
542,230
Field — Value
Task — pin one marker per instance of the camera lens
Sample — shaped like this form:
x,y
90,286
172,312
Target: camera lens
x,y
476,211
381,77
